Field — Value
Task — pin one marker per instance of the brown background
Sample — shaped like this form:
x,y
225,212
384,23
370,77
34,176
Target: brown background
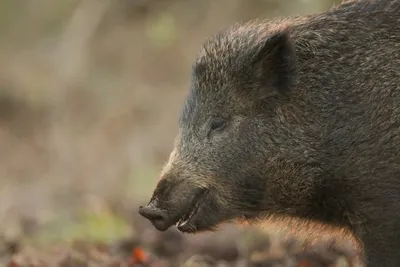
x,y
90,93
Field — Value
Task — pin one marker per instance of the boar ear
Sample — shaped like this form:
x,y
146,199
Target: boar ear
x,y
275,64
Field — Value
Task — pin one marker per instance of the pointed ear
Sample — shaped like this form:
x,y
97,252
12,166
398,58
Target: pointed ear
x,y
275,64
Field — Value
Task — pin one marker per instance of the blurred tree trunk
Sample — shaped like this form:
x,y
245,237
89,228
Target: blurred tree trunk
x,y
70,59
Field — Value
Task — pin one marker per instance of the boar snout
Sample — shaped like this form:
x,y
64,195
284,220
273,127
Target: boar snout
x,y
156,216
179,202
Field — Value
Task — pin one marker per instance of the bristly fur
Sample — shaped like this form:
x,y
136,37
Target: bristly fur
x,y
297,117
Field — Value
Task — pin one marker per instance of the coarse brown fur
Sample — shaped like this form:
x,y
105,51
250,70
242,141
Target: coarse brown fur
x,y
298,117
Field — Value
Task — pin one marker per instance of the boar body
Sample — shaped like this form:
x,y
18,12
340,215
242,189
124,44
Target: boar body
x,y
298,117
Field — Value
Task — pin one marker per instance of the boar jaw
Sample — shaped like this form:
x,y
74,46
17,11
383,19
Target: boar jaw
x,y
185,223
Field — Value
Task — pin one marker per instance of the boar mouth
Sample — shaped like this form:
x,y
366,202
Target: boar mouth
x,y
186,223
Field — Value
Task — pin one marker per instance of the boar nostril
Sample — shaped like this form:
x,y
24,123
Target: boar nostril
x,y
153,214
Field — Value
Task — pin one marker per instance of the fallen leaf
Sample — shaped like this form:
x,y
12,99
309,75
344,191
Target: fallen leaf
x,y
305,263
138,255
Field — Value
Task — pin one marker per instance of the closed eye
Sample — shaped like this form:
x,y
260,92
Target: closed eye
x,y
218,124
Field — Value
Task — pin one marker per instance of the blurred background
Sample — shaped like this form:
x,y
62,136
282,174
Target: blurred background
x,y
90,93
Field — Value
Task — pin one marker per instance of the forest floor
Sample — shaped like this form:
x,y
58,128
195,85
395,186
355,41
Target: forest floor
x,y
107,239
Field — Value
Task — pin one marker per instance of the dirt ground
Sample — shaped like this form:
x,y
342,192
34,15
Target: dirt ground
x,y
232,245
